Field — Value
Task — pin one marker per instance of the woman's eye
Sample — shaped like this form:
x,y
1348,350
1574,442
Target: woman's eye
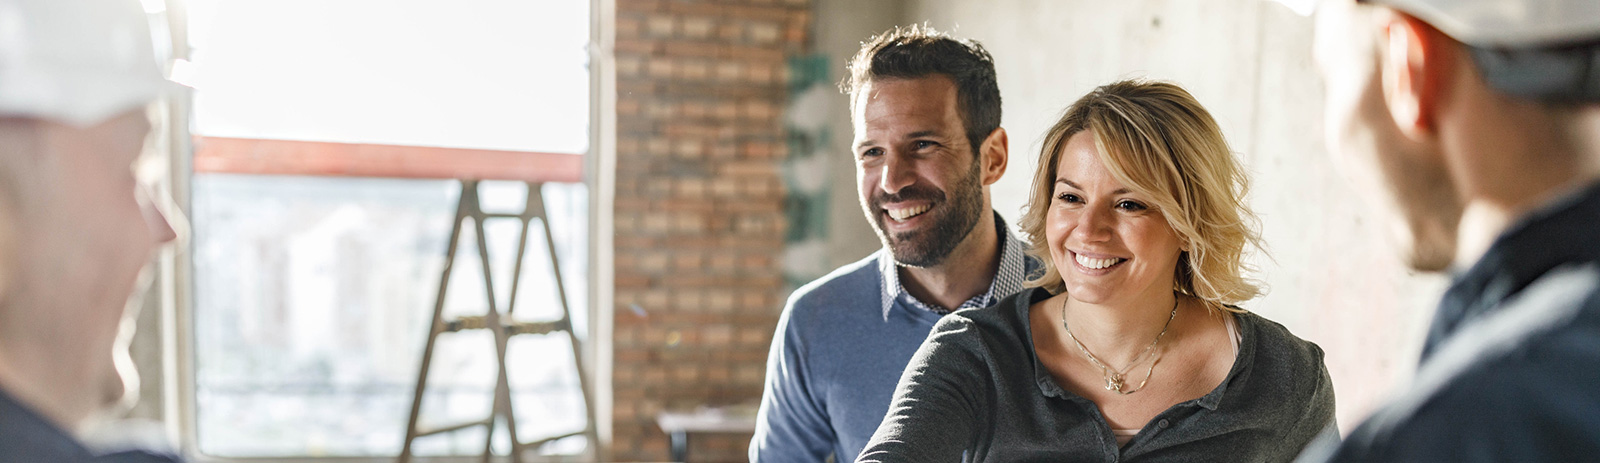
x,y
1131,206
1069,197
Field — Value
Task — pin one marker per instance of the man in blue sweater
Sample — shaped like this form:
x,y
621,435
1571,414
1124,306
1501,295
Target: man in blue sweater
x,y
928,143
76,228
1478,122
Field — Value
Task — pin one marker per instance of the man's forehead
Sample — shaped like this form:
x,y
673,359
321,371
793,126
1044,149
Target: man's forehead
x,y
929,85
899,102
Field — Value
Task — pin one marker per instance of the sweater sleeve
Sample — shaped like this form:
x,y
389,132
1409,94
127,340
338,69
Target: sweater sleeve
x,y
792,424
935,412
1318,419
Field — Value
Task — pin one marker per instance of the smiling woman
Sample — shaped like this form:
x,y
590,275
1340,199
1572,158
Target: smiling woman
x,y
1130,344
1171,153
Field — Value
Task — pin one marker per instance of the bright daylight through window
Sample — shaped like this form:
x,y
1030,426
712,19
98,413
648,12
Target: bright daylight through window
x,y
314,287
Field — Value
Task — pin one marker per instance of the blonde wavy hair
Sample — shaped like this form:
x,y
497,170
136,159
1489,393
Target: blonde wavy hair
x,y
1157,140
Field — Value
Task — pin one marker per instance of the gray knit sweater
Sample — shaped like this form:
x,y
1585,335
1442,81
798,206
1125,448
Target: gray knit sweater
x,y
975,391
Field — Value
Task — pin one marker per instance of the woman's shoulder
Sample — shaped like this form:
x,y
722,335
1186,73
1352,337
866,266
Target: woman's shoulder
x,y
1277,350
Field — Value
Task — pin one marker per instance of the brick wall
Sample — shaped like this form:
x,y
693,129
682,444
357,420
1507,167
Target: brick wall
x,y
701,87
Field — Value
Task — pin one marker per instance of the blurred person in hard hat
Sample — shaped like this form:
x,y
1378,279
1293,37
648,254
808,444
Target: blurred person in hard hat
x,y
1476,123
76,227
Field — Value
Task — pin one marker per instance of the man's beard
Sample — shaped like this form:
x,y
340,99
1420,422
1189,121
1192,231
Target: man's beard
x,y
952,222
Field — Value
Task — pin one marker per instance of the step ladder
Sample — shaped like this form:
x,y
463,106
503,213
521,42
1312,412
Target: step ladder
x,y
502,325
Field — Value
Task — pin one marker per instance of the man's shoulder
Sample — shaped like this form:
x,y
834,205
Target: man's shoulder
x,y
1532,398
1535,403
848,284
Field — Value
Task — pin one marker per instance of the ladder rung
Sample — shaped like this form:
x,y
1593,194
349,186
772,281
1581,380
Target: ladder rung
x,y
480,322
541,442
536,327
451,428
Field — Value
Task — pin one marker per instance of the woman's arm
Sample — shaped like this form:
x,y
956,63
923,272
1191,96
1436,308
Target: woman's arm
x,y
937,405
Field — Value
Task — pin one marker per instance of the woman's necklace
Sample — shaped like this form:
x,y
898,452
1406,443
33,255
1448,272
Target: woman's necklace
x,y
1114,378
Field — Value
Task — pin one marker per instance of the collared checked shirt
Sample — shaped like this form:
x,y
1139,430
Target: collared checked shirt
x,y
1007,280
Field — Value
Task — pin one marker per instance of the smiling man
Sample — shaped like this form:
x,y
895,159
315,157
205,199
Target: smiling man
x,y
1477,124
928,143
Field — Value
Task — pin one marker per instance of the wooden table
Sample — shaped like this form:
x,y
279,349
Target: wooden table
x,y
679,425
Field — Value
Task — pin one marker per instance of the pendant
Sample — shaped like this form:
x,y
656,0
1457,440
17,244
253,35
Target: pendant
x,y
1114,382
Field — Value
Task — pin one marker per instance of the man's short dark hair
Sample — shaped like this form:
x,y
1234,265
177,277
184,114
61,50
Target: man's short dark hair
x,y
920,51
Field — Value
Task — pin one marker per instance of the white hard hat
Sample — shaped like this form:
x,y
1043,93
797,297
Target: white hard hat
x,y
76,61
1508,23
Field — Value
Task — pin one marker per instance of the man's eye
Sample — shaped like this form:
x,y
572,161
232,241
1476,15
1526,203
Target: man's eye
x,y
870,153
924,144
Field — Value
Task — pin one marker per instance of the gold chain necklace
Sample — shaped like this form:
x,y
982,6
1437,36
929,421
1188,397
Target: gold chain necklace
x,y
1114,378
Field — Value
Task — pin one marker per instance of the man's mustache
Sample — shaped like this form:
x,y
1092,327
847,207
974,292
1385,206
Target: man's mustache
x,y
911,193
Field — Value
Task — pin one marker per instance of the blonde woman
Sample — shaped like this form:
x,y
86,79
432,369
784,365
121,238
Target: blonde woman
x,y
1129,346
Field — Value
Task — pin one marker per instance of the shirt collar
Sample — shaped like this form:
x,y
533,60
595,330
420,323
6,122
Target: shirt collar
x,y
1560,232
1008,279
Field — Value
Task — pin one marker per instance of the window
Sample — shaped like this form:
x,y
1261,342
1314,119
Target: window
x,y
321,220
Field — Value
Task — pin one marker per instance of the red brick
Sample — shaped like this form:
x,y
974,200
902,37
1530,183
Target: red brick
x,y
631,281
691,188
694,70
763,33
688,109
707,9
655,299
660,25
725,110
688,148
658,147
638,47
729,32
717,335
688,300
628,27
754,336
638,5
749,168
758,13
728,71
698,27
724,150
761,74
758,149
660,67
694,50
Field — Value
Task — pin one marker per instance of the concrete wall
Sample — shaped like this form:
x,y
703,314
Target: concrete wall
x,y
841,27
1331,272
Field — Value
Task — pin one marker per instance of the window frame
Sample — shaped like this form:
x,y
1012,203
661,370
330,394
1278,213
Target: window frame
x,y
176,266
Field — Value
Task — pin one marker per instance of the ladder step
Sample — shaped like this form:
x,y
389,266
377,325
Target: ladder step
x,y
480,322
541,442
451,428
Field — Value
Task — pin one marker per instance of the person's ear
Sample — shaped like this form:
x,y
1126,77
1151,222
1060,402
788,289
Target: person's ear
x,y
1413,76
994,154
